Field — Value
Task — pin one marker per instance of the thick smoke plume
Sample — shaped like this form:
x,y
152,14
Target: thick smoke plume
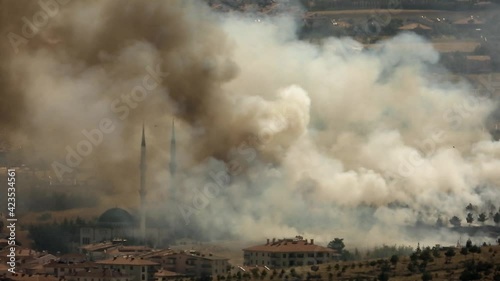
x,y
275,136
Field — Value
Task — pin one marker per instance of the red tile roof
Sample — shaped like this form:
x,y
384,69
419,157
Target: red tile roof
x,y
35,277
156,253
99,246
86,264
415,26
126,261
101,273
288,246
166,273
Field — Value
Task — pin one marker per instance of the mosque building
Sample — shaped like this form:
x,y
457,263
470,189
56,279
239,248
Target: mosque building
x,y
118,224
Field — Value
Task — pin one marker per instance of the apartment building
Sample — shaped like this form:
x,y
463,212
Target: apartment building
x,y
288,252
100,275
193,263
61,269
163,275
139,269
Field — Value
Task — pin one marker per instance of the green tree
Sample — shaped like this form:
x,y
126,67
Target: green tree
x,y
482,218
455,221
468,244
464,251
470,218
337,244
394,260
346,256
383,276
450,253
470,208
496,218
426,276
255,272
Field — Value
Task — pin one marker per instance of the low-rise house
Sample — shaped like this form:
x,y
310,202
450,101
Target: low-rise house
x,y
193,263
100,275
288,252
60,269
36,264
31,277
163,275
23,255
73,258
98,251
157,256
33,269
127,250
140,269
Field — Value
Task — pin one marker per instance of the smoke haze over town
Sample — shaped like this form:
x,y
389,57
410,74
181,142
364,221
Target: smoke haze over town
x,y
275,136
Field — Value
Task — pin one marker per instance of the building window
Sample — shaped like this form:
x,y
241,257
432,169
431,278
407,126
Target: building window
x,y
284,255
143,277
143,269
85,240
131,268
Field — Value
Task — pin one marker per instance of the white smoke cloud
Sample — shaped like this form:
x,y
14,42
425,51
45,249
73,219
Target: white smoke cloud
x,y
320,139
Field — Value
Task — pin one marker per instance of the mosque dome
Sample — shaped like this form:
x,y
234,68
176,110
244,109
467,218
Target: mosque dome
x,y
116,217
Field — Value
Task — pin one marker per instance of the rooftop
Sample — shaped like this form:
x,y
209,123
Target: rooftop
x,y
100,273
166,273
415,26
116,217
56,264
287,245
128,249
29,277
126,260
99,246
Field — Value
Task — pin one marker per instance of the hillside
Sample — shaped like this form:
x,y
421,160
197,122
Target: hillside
x,y
480,266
